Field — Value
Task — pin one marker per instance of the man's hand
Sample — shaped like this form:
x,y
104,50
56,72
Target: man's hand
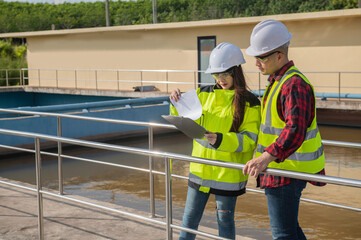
x,y
257,165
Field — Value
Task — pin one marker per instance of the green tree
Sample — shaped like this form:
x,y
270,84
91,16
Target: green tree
x,y
11,57
19,17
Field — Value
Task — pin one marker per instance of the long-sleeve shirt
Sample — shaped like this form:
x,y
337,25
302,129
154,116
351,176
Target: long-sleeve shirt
x,y
296,107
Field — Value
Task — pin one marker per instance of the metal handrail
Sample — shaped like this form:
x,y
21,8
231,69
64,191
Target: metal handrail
x,y
150,133
166,82
144,152
160,70
107,120
167,157
145,124
7,78
341,144
137,123
173,175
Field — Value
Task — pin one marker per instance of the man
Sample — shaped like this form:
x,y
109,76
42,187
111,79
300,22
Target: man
x,y
289,138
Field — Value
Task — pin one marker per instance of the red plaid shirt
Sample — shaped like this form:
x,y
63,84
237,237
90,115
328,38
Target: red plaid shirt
x,y
295,106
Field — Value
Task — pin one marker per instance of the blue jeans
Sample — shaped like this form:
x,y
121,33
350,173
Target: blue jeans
x,y
193,211
283,203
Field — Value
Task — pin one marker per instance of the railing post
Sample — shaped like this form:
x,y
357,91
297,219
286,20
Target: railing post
x,y
259,84
76,80
7,77
22,73
39,76
39,188
141,81
118,79
168,194
195,80
20,77
167,80
151,177
339,86
56,78
60,159
96,79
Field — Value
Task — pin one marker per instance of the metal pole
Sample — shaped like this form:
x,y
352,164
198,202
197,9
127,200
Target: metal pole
x,y
168,193
7,77
195,80
141,81
56,77
154,11
39,188
39,76
118,79
60,159
20,78
96,79
107,19
339,86
23,76
167,81
75,75
259,84
151,177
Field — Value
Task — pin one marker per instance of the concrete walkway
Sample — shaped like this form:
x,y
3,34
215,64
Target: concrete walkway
x,y
68,220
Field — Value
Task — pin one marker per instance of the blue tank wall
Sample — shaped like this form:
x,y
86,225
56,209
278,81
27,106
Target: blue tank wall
x,y
30,99
145,109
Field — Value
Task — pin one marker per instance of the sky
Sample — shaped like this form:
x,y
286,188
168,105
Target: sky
x,y
54,1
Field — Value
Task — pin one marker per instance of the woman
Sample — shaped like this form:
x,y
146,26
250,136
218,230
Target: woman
x,y
231,114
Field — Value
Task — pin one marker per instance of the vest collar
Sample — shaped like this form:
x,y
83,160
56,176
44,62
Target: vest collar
x,y
279,74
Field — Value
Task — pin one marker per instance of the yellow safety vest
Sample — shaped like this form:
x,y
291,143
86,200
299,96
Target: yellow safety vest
x,y
217,116
309,157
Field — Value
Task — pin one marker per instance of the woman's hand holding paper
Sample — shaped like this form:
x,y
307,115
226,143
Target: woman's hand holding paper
x,y
175,95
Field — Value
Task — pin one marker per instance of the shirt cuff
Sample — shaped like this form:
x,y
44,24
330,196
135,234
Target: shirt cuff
x,y
218,141
276,152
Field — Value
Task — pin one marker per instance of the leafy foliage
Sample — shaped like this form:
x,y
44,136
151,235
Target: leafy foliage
x,y
11,57
22,17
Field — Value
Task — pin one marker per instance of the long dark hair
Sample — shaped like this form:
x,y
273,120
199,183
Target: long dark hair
x,y
241,94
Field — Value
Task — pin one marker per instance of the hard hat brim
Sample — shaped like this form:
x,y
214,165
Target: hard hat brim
x,y
215,70
220,70
250,51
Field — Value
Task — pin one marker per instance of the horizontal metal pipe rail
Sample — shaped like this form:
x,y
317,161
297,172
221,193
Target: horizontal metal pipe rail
x,y
166,82
341,144
173,175
145,124
106,120
159,70
144,152
167,156
7,78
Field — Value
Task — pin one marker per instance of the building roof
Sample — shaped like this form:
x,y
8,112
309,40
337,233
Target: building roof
x,y
192,24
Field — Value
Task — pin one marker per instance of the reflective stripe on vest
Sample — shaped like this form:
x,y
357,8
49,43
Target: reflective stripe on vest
x,y
298,156
240,137
216,184
277,131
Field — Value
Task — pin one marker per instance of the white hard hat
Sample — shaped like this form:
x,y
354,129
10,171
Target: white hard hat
x,y
224,56
267,36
